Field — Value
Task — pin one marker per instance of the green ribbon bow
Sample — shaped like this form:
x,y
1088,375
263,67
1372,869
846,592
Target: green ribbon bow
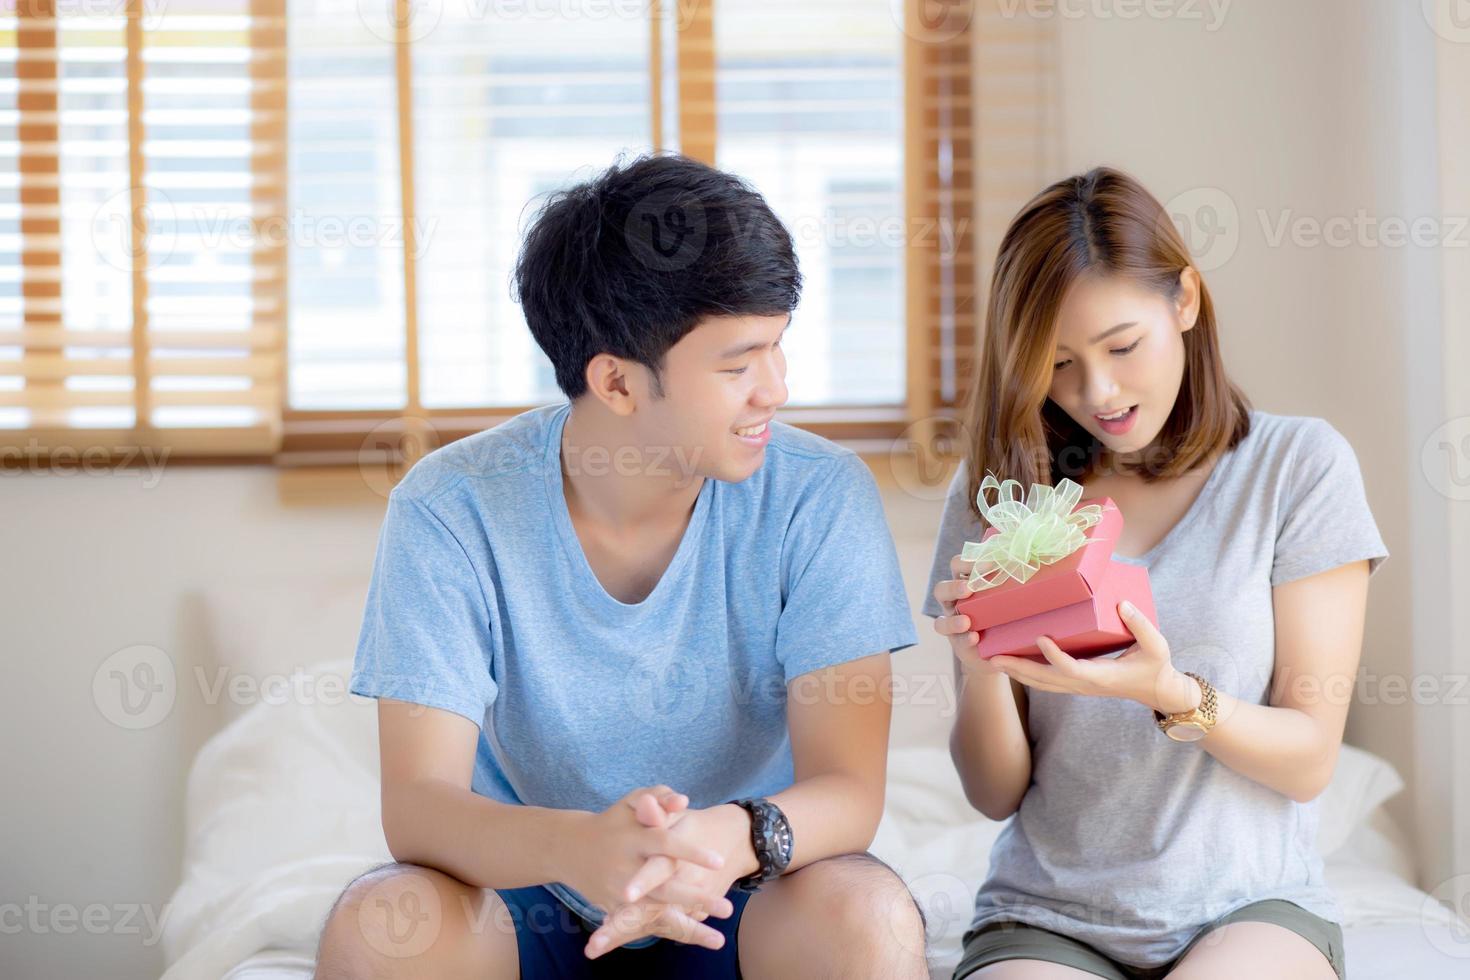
x,y
1042,530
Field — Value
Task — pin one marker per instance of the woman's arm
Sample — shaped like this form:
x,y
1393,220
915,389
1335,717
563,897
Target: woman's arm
x,y
989,743
1291,745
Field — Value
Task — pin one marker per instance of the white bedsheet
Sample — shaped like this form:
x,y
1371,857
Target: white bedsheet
x,y
283,812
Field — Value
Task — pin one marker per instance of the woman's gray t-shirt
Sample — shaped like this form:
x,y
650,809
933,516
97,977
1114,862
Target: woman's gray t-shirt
x,y
1128,840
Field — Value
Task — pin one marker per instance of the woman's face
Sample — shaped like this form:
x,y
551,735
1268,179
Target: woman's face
x,y
1120,348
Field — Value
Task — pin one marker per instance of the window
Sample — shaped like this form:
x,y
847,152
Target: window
x,y
810,98
251,226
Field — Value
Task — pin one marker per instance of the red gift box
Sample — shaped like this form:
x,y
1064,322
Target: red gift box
x,y
1074,600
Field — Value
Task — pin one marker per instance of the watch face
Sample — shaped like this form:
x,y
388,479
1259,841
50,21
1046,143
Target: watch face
x,y
783,842
775,834
1186,732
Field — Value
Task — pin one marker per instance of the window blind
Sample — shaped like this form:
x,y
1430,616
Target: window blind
x,y
145,306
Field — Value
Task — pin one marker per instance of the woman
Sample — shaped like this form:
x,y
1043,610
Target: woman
x,y
1136,852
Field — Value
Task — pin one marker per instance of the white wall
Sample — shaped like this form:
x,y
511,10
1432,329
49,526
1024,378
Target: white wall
x,y
92,812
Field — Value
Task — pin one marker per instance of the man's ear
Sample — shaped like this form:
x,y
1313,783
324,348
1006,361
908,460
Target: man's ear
x,y
609,380
1187,306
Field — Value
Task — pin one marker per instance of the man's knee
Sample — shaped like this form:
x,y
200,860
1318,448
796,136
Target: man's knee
x,y
400,920
869,904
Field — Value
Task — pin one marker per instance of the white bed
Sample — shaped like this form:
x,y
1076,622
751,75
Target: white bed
x,y
283,812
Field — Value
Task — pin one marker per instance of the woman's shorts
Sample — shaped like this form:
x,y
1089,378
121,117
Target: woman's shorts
x,y
997,941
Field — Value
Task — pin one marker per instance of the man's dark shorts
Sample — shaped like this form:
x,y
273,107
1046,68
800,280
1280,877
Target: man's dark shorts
x,y
551,939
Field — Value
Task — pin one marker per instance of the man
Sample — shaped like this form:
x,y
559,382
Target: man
x,y
632,651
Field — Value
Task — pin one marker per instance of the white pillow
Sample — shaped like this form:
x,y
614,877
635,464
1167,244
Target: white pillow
x,y
1360,784
269,628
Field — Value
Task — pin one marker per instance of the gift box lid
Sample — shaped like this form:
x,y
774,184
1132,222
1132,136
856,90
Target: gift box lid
x,y
1071,579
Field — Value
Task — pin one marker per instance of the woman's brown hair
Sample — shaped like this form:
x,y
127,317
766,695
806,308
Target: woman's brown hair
x,y
1105,223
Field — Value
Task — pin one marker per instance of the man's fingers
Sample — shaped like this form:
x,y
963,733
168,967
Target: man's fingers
x,y
676,924
655,871
666,843
632,922
648,811
688,896
658,793
623,925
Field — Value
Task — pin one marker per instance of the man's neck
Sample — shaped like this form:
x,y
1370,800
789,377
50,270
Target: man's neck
x,y
616,494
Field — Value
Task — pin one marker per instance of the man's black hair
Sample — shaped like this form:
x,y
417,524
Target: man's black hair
x,y
630,261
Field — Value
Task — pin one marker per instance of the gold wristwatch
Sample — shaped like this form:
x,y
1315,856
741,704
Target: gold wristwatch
x,y
1192,725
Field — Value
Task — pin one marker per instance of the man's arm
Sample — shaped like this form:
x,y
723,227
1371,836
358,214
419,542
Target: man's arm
x,y
432,817
838,718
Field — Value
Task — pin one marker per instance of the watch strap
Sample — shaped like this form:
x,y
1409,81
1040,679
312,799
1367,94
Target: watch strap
x,y
1204,715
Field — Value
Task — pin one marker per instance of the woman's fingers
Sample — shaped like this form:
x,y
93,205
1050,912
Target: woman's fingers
x,y
951,590
959,567
952,625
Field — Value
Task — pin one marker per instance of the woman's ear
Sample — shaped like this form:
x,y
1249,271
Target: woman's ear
x,y
1187,306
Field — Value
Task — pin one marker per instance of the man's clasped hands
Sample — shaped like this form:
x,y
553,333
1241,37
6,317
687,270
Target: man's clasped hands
x,y
659,868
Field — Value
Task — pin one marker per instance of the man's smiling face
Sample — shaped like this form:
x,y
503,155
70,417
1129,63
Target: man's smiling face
x,y
722,384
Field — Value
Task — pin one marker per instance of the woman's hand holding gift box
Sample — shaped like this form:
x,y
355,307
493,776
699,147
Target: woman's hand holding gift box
x,y
1046,568
1045,594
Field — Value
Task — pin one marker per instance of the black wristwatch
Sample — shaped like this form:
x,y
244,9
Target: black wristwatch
x,y
770,835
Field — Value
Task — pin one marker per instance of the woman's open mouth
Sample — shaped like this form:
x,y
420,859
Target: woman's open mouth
x,y
1118,423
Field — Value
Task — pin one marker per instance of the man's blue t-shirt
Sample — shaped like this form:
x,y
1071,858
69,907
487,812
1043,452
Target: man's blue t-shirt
x,y
483,603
